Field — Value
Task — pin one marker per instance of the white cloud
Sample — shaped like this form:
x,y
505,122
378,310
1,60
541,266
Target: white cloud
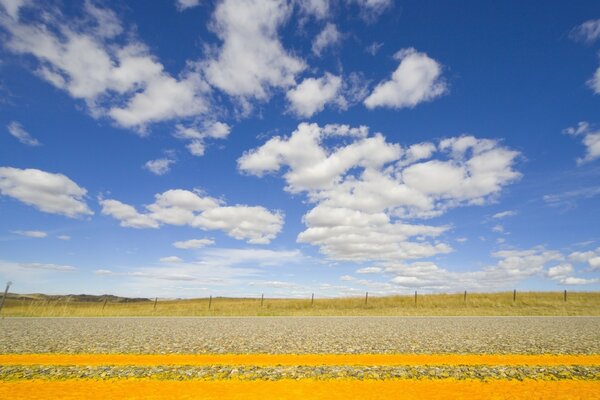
x,y
330,36
363,188
369,270
311,96
93,59
512,267
31,234
64,237
50,267
588,32
371,9
417,79
504,214
320,9
180,207
197,135
251,60
193,243
591,140
185,4
591,258
127,214
171,259
48,192
12,7
560,271
462,239
160,166
569,199
17,130
570,280
594,82
216,270
374,48
498,229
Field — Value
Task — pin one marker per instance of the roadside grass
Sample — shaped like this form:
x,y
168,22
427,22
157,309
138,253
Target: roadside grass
x,y
490,304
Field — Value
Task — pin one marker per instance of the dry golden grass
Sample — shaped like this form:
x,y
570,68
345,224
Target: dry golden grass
x,y
527,303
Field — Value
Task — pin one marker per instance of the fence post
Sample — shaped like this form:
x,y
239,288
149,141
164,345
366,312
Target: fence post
x,y
366,298
103,305
155,301
565,294
5,294
514,295
209,301
262,299
312,300
465,298
415,297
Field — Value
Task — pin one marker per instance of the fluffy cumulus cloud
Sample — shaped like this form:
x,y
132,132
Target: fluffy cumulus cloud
x,y
251,60
46,191
254,224
417,79
590,138
590,258
330,36
17,130
160,166
93,59
311,96
196,136
511,267
364,189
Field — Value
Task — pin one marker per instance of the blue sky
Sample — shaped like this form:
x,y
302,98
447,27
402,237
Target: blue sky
x,y
237,147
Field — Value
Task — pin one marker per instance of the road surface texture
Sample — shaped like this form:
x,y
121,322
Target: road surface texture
x,y
349,335
300,357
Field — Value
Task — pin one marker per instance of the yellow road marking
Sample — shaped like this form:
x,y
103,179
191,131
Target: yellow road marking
x,y
302,389
298,359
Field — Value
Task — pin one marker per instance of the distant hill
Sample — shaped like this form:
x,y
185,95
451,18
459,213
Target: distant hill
x,y
85,298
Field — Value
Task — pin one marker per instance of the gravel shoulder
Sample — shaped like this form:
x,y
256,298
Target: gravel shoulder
x,y
497,335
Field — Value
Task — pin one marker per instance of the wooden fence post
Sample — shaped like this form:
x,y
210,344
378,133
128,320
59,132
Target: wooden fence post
x,y
103,305
565,294
5,294
366,298
155,301
209,302
312,300
415,297
465,297
514,295
262,299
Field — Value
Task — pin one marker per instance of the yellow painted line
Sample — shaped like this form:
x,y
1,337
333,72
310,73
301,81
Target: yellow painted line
x,y
298,359
302,389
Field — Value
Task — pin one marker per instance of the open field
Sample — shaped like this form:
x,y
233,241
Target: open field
x,y
526,303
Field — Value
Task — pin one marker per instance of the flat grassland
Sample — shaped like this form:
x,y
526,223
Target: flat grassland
x,y
491,304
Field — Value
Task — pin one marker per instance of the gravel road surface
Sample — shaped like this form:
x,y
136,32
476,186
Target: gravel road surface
x,y
559,335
